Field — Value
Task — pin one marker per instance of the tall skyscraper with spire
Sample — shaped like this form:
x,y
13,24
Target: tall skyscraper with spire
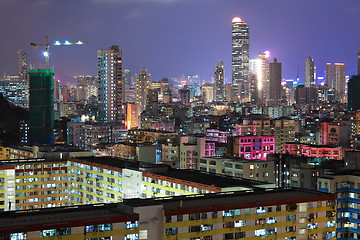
x,y
309,72
219,92
111,87
240,59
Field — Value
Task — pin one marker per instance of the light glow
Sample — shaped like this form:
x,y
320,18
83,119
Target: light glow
x,y
57,43
236,20
67,42
267,54
46,54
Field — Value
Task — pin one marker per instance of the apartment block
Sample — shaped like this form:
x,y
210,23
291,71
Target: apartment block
x,y
275,214
346,186
257,170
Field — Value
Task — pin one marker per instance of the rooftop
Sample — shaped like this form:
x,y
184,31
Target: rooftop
x,y
27,220
210,179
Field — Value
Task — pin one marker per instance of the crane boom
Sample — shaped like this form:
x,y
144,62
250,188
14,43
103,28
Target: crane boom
x,y
56,43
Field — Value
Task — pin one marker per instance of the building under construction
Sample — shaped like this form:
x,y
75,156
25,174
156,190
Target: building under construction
x,y
41,106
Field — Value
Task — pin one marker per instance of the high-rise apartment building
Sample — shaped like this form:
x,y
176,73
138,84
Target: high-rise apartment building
x,y
41,106
240,58
142,87
339,79
219,87
309,72
328,75
111,87
23,67
275,82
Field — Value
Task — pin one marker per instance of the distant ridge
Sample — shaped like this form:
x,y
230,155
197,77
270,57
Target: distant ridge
x,y
10,117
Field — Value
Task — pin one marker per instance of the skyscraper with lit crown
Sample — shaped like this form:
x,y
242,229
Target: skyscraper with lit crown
x,y
339,79
328,75
111,87
240,58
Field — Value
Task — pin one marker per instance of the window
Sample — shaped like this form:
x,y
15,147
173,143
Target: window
x,y
260,210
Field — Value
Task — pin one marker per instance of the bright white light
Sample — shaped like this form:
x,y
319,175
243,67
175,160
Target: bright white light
x,y
267,54
57,43
67,42
79,42
236,20
46,54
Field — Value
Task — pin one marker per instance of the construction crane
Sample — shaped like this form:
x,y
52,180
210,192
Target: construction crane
x,y
56,43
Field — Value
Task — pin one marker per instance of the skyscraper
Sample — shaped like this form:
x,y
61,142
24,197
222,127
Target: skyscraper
x,y
263,82
309,73
23,75
142,87
41,106
127,78
259,70
328,75
240,58
219,82
275,82
111,87
339,79
353,93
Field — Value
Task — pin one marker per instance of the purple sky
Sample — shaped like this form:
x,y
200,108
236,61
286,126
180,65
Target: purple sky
x,y
175,37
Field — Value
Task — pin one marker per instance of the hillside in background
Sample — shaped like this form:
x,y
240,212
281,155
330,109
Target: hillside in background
x,y
10,117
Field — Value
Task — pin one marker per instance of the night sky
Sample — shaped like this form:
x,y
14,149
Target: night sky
x,y
175,37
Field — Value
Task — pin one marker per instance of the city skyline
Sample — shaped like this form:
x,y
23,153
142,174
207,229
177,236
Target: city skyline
x,y
176,41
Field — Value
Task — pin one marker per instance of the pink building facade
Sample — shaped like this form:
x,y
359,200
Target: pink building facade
x,y
254,147
216,135
298,149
